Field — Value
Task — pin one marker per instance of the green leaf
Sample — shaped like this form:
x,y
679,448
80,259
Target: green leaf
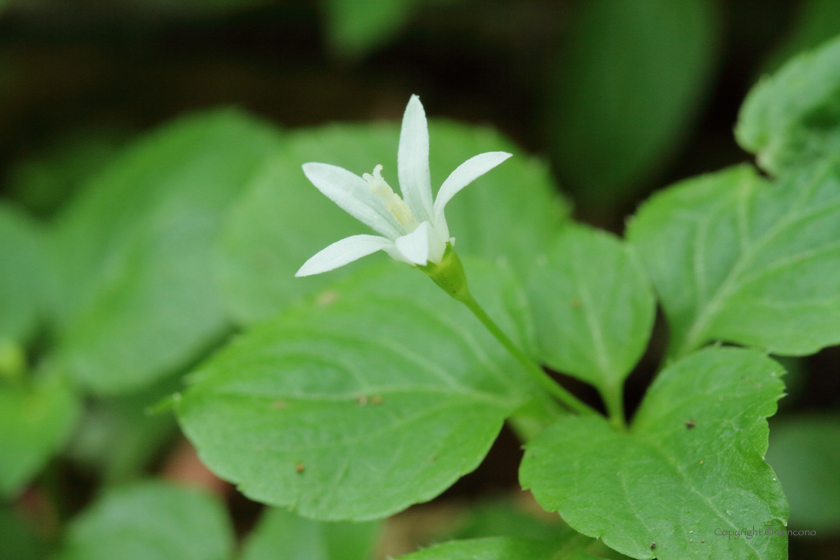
x,y
17,540
356,27
628,84
691,467
35,421
136,251
502,518
593,309
805,453
816,21
331,408
793,117
22,273
150,520
119,437
282,534
739,259
283,220
497,548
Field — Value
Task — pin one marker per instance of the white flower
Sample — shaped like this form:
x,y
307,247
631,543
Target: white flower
x,y
413,230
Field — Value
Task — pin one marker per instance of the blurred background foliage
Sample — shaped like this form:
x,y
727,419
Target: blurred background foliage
x,y
616,98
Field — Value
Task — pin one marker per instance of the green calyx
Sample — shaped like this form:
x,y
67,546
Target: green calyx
x,y
449,274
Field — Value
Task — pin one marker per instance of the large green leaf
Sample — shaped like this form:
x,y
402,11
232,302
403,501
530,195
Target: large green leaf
x,y
498,548
282,534
378,394
510,212
136,251
736,258
150,520
21,274
593,309
793,117
805,452
628,84
692,466
35,420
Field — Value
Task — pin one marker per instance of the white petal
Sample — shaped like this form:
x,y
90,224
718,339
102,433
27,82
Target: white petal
x,y
353,195
465,174
413,161
344,252
415,246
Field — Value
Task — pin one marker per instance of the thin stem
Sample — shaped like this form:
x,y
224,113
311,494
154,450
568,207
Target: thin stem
x,y
540,376
614,401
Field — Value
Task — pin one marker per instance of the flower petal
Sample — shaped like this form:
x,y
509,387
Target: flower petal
x,y
353,195
344,252
413,161
465,174
422,245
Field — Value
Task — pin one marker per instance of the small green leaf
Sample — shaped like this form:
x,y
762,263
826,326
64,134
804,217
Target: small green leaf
x,y
496,548
22,273
150,520
282,534
356,27
35,421
510,212
593,308
506,518
331,408
691,467
739,259
793,117
805,453
629,83
136,251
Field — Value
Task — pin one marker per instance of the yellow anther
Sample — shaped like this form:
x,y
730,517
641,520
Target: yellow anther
x,y
393,203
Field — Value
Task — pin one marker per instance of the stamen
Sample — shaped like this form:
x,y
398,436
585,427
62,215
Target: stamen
x,y
393,203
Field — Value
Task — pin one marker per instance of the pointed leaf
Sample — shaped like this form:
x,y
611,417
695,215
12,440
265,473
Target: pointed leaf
x,y
692,466
378,381
793,117
135,251
739,259
593,308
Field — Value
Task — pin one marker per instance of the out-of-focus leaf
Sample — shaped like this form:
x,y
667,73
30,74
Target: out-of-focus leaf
x,y
816,22
47,180
502,518
356,27
510,212
691,466
17,540
118,436
805,453
497,548
136,251
628,84
282,534
34,423
593,309
737,258
793,117
378,394
150,520
22,274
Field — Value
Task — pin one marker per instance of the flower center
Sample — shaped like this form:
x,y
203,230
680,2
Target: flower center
x,y
393,203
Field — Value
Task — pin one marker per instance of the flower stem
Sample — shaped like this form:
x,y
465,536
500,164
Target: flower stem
x,y
539,375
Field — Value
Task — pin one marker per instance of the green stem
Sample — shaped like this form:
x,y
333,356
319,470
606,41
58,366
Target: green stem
x,y
539,375
614,401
